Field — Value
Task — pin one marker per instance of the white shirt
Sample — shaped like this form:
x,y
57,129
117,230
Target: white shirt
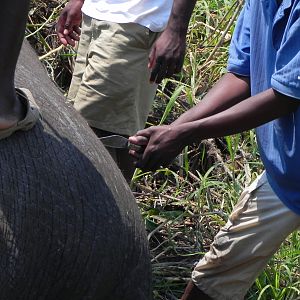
x,y
153,14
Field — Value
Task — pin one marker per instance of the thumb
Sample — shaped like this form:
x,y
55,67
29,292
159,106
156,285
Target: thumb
x,y
151,58
66,31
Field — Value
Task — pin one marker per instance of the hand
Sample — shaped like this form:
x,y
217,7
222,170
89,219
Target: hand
x,y
68,23
161,144
167,55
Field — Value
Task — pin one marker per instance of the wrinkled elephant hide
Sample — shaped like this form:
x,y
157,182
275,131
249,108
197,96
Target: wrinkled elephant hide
x,y
69,225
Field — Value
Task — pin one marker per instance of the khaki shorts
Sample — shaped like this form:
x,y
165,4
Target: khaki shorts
x,y
259,223
110,85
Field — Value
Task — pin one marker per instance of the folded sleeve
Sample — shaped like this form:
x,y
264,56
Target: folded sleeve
x,y
286,78
239,50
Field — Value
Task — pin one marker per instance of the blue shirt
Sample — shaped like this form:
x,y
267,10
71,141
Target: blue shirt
x,y
266,47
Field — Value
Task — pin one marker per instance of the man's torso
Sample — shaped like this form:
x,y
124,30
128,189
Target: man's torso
x,y
267,36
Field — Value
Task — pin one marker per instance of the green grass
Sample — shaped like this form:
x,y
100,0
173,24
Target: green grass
x,y
185,205
280,280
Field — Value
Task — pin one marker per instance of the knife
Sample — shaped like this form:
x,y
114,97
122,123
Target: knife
x,y
118,141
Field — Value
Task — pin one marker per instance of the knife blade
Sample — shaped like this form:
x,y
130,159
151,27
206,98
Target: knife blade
x,y
118,141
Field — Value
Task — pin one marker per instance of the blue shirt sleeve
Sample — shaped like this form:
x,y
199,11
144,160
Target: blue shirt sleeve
x,y
286,78
239,50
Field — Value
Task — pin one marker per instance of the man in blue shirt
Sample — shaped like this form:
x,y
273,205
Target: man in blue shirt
x,y
261,90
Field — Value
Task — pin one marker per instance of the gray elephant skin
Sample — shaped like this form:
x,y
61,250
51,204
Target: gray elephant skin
x,y
69,225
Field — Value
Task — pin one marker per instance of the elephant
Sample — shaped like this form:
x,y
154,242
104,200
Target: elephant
x,y
70,228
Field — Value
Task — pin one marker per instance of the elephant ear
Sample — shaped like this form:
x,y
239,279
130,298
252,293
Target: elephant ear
x,y
69,224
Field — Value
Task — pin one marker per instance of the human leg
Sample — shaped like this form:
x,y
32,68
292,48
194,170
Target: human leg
x,y
193,293
257,226
110,87
13,16
114,93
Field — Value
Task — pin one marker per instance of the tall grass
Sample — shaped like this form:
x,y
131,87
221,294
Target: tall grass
x,y
185,205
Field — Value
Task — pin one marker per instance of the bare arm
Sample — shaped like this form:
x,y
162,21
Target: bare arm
x,y
223,117
167,54
228,91
250,113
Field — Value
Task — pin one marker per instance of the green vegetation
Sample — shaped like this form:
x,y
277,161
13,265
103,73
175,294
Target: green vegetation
x,y
184,205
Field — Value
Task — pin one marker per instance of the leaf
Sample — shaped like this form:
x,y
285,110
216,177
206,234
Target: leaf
x,y
171,103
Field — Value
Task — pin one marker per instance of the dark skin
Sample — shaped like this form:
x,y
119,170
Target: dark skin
x,y
193,293
68,24
13,17
227,109
167,54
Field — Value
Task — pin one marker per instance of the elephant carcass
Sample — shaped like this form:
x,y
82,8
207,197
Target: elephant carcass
x,y
69,225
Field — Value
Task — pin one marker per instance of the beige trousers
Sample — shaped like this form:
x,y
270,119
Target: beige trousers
x,y
110,85
259,223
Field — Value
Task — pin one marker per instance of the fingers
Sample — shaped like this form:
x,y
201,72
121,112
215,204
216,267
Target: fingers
x,y
138,140
71,34
71,37
137,145
144,157
67,32
155,67
158,66
159,72
179,65
74,36
143,162
77,30
151,162
60,27
170,71
164,69
136,155
62,39
70,41
152,58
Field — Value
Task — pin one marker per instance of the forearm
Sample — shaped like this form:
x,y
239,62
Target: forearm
x,y
245,115
167,54
227,92
180,16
